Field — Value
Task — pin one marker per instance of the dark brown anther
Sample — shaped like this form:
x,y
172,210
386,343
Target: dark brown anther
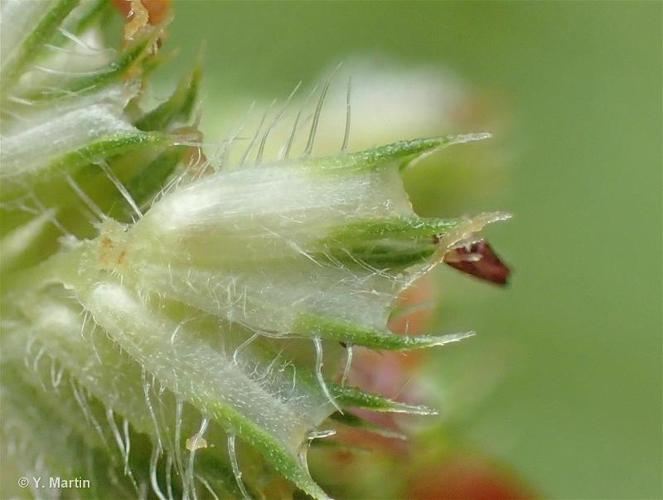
x,y
479,259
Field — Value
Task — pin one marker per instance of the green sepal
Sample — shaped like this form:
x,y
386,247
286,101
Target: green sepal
x,y
381,255
179,105
402,228
94,11
348,396
104,148
82,19
392,242
314,325
150,179
273,451
399,153
31,47
102,77
108,147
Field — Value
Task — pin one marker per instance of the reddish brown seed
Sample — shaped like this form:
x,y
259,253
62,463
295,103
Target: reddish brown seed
x,y
479,259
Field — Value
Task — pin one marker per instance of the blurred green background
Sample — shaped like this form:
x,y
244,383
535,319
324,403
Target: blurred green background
x,y
576,409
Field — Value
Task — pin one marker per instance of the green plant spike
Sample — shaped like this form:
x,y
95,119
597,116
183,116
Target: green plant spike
x,y
174,300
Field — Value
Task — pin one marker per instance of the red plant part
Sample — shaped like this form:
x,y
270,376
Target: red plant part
x,y
479,259
467,478
156,10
